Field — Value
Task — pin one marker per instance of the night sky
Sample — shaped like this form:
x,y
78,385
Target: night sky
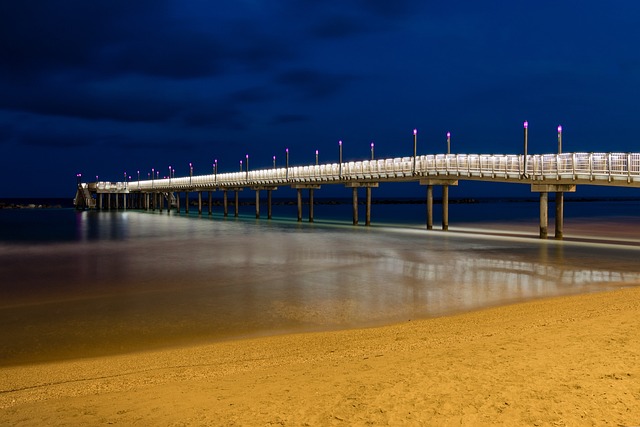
x,y
107,87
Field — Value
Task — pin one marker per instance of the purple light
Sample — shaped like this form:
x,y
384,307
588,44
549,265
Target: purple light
x,y
316,152
287,150
448,134
340,142
372,145
559,129
526,124
415,131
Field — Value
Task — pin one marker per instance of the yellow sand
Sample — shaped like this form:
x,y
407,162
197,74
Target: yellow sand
x,y
567,361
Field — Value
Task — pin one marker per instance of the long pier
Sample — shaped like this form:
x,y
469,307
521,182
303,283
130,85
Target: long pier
x,y
544,173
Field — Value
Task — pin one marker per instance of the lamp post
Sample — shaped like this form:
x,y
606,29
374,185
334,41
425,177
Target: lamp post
x,y
448,142
215,171
526,143
247,165
138,178
287,163
316,157
415,148
153,176
240,165
274,162
340,159
372,150
190,173
559,139
169,174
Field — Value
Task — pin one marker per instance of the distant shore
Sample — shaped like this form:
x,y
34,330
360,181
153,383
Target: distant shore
x,y
9,205
561,361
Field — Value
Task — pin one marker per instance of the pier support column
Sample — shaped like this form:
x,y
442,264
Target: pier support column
x,y
559,215
430,182
225,203
199,202
257,203
117,200
445,207
429,207
559,189
124,201
299,188
109,201
160,201
100,201
186,202
368,186
177,202
236,203
269,203
367,218
544,214
355,205
210,203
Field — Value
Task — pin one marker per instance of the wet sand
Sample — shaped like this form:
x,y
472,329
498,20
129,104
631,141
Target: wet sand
x,y
571,360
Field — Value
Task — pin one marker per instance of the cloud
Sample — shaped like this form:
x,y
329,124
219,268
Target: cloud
x,y
250,95
42,36
339,27
311,84
225,117
290,118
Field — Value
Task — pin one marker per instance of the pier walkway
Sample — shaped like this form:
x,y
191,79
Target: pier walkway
x,y
544,173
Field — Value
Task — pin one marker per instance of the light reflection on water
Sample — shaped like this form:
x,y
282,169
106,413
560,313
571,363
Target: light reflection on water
x,y
134,280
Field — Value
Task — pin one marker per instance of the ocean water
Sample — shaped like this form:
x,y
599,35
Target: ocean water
x,y
86,283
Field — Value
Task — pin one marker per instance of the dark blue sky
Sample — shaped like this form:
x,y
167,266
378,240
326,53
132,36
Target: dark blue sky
x,y
104,87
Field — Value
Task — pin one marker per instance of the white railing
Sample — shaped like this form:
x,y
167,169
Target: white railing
x,y
602,168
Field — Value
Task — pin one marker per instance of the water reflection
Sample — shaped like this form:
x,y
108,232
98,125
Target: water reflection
x,y
137,280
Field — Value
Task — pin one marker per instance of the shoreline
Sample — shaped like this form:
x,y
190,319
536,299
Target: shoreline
x,y
569,360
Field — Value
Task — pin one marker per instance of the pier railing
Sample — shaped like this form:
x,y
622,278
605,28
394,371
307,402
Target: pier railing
x,y
617,169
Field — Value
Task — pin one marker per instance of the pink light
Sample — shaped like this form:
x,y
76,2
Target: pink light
x,y
448,134
340,142
316,152
415,131
372,145
526,124
287,150
559,129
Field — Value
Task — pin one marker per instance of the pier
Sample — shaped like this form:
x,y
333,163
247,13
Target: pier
x,y
543,173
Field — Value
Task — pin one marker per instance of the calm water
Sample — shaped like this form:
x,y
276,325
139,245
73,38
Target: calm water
x,y
77,284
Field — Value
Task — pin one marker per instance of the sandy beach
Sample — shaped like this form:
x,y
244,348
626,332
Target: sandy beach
x,y
563,361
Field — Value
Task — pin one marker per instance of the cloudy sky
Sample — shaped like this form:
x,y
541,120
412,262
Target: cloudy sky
x,y
107,87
